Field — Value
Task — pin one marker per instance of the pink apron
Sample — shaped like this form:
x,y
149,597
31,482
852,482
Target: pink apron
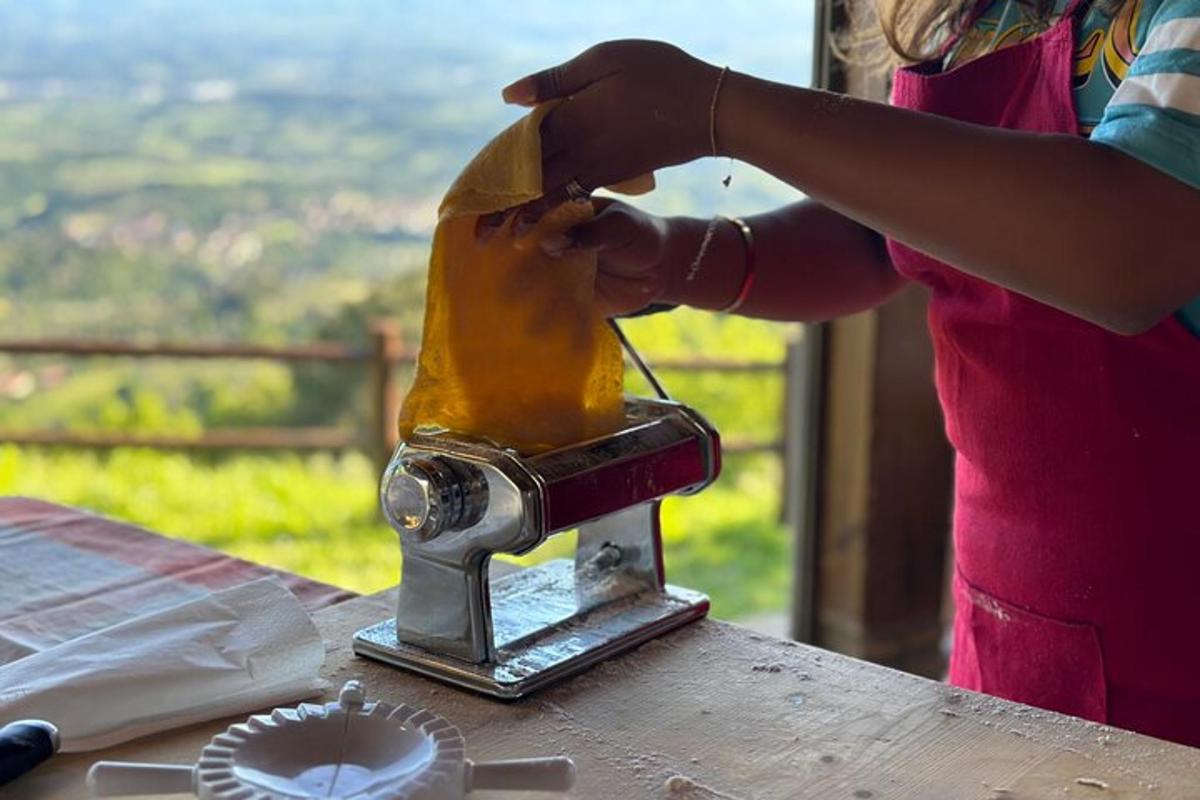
x,y
1077,496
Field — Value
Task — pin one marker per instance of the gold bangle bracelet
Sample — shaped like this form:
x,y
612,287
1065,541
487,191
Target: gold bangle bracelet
x,y
748,276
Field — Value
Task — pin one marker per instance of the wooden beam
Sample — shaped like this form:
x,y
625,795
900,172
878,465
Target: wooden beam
x,y
385,394
884,499
315,438
314,351
884,479
801,464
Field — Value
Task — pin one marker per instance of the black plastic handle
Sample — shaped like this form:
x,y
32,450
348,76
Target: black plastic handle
x,y
23,745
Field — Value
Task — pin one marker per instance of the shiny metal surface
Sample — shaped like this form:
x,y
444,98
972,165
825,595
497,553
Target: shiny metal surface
x,y
456,501
428,496
566,643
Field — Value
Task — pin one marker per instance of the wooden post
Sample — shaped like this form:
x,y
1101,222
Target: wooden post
x,y
802,399
787,421
386,348
884,498
882,503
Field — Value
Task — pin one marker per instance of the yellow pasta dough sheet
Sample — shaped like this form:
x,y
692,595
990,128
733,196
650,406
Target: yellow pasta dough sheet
x,y
514,348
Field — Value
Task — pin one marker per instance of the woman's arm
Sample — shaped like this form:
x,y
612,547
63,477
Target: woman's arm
x,y
811,264
1059,218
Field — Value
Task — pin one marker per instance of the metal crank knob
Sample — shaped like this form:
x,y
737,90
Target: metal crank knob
x,y
426,496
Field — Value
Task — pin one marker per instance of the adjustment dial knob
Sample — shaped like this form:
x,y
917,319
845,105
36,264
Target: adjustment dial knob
x,y
426,496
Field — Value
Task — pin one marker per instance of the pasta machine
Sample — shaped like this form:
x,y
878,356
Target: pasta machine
x,y
457,501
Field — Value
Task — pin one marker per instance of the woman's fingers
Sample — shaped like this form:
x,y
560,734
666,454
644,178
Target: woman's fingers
x,y
528,215
524,218
617,295
628,244
572,123
611,228
558,81
488,225
631,107
557,172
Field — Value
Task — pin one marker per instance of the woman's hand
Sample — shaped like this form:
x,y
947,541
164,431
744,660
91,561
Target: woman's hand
x,y
630,107
630,248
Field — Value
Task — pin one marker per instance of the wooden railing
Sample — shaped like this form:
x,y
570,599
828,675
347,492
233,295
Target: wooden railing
x,y
384,355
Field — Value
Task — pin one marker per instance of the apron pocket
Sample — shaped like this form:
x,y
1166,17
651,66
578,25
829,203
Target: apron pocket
x,y
1009,652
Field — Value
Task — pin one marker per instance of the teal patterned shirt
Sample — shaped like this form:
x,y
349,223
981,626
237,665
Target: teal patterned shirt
x,y
1136,80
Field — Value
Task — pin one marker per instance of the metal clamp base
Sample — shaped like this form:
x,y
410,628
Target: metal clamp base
x,y
530,658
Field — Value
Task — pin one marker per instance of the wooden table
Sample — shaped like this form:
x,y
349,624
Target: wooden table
x,y
714,712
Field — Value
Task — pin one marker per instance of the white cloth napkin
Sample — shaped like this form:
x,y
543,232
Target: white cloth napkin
x,y
239,650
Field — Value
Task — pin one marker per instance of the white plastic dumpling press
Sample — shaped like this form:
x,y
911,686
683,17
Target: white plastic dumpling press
x,y
352,749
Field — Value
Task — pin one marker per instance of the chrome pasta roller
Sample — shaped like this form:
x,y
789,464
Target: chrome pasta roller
x,y
457,501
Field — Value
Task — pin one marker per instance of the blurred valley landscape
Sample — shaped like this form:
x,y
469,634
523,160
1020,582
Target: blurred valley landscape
x,y
268,172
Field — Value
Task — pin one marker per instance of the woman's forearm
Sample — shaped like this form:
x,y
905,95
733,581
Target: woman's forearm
x,y
811,264
1059,218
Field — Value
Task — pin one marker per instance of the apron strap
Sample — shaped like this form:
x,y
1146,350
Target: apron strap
x,y
1078,9
965,24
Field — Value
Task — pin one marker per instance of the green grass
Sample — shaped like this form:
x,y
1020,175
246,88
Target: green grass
x,y
316,515
295,211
